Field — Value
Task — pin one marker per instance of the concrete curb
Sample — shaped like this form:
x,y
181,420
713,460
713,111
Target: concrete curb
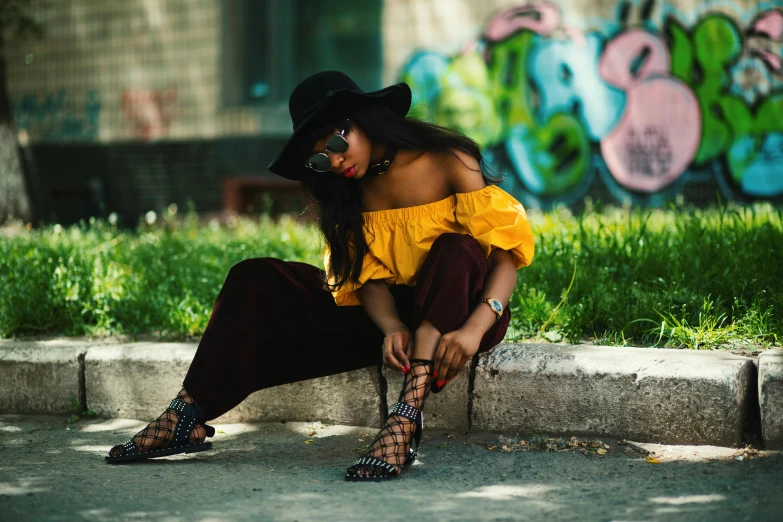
x,y
771,397
644,394
41,376
666,396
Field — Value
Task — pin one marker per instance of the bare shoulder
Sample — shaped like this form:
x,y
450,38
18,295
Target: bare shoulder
x,y
460,171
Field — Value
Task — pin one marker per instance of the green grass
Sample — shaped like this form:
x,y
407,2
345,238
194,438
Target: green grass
x,y
679,277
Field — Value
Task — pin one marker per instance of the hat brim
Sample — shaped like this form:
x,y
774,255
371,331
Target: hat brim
x,y
289,165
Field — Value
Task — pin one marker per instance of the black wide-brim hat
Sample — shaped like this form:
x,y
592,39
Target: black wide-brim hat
x,y
321,94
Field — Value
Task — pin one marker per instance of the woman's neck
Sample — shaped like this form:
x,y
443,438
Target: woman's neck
x,y
377,150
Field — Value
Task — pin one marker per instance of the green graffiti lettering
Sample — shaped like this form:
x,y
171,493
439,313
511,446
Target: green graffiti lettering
x,y
465,102
717,43
769,117
508,79
681,50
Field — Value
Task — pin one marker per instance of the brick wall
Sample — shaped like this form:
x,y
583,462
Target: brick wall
x,y
129,70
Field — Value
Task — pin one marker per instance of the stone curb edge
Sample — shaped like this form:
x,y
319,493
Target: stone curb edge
x,y
643,394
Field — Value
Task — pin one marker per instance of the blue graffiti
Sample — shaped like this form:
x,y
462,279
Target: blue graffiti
x,y
566,76
55,117
423,73
762,155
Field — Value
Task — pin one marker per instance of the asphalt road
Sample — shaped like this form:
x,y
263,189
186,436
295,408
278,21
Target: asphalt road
x,y
53,471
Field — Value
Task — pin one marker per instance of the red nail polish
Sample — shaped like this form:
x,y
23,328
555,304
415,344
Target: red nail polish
x,y
440,383
434,374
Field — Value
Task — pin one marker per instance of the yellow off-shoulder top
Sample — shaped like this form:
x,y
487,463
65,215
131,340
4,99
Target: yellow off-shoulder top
x,y
399,239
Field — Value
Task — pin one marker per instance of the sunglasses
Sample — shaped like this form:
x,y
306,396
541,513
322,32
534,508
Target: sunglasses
x,y
336,144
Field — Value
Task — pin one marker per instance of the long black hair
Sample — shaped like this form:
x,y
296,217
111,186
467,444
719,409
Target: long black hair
x,y
338,200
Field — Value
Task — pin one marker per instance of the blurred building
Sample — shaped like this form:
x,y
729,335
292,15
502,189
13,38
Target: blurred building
x,y
129,106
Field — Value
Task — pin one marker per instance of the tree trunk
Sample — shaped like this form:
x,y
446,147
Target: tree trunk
x,y
14,200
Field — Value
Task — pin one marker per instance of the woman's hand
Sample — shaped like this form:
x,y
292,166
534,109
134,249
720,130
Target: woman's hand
x,y
455,350
397,348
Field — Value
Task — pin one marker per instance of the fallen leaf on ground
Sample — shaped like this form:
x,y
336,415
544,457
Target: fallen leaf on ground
x,y
220,431
652,460
308,441
601,451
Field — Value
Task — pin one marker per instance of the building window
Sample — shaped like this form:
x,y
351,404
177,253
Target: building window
x,y
271,45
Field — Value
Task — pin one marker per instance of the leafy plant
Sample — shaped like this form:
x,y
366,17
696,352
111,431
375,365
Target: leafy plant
x,y
77,412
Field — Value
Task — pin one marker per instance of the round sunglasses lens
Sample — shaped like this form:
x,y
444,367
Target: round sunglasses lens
x,y
319,162
336,144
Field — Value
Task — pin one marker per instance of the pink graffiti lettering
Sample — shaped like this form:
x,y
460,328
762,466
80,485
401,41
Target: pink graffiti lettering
x,y
772,60
657,136
770,24
539,18
633,56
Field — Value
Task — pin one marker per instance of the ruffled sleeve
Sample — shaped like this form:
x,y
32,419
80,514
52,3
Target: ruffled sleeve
x,y
497,220
372,268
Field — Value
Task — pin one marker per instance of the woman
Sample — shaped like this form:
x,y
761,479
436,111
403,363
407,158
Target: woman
x,y
421,260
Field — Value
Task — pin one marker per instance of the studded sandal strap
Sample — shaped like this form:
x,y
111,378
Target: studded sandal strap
x,y
192,410
130,448
412,414
186,418
182,430
378,463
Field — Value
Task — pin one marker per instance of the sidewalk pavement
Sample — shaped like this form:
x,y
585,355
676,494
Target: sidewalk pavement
x,y
53,471
642,394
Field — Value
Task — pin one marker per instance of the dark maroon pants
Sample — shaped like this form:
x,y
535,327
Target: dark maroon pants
x,y
275,323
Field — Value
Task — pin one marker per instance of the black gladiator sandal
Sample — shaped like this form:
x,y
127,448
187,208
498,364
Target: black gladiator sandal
x,y
384,460
186,416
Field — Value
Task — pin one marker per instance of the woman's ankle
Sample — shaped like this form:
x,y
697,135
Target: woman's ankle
x,y
425,341
184,396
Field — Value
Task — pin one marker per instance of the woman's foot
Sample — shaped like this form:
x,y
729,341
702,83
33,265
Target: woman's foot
x,y
392,445
160,432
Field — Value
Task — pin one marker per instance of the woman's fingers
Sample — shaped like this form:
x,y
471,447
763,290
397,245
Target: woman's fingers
x,y
457,363
400,352
445,362
438,359
388,355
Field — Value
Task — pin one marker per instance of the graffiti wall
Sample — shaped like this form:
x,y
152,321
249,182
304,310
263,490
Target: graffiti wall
x,y
59,116
644,103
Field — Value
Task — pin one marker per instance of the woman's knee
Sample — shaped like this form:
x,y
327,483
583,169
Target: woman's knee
x,y
249,269
461,245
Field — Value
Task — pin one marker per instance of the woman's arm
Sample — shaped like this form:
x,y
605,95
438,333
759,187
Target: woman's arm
x,y
379,304
500,284
458,347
